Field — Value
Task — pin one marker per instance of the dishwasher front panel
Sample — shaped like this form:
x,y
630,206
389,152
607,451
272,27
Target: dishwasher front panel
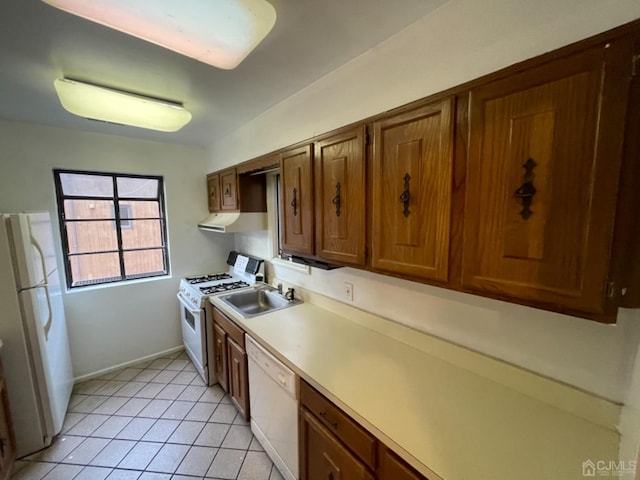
x,y
274,408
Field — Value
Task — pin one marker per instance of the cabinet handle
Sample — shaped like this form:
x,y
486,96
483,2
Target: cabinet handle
x,y
406,195
526,191
330,475
294,202
336,200
333,424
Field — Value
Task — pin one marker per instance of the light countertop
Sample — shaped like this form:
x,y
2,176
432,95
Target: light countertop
x,y
435,410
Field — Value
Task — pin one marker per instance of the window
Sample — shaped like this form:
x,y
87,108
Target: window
x,y
113,226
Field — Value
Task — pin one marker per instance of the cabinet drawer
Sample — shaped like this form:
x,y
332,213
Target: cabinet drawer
x,y
361,442
234,331
324,456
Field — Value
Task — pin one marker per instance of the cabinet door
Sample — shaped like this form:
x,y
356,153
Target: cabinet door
x,y
238,377
297,200
543,167
213,192
412,188
340,197
323,457
220,349
229,190
392,467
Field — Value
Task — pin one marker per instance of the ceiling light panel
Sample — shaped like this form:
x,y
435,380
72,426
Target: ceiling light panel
x,y
110,105
217,32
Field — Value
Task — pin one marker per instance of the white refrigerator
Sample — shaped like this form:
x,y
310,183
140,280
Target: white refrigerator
x,y
35,351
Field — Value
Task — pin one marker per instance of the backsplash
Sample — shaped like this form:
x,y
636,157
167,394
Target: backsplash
x,y
595,357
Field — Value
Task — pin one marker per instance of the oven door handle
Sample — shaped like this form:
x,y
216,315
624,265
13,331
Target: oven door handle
x,y
187,305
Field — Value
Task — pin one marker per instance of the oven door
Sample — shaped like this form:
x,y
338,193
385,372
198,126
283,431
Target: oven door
x,y
192,324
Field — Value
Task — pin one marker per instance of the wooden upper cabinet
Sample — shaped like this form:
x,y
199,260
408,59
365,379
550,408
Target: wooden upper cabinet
x,y
340,187
297,214
412,189
213,192
544,161
229,190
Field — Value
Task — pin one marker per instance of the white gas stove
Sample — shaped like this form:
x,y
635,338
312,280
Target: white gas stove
x,y
197,331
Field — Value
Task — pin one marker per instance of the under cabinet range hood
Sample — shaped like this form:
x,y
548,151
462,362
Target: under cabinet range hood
x,y
234,222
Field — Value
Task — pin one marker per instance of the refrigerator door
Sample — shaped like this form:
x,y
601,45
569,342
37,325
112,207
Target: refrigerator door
x,y
34,250
43,317
43,322
19,370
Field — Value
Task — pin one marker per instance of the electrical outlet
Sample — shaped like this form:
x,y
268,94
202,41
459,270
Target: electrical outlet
x,y
348,291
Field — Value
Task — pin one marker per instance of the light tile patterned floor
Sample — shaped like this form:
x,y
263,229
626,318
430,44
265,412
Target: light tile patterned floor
x,y
151,421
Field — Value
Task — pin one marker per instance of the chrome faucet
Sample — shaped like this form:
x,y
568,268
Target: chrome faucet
x,y
280,288
290,295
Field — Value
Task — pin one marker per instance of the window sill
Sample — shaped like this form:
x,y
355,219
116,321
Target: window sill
x,y
124,283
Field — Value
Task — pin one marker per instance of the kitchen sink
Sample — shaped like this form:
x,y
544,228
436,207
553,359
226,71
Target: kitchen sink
x,y
250,303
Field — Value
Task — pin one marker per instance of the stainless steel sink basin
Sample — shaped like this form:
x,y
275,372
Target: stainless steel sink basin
x,y
250,303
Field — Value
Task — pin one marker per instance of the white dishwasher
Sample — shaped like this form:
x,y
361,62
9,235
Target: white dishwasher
x,y
273,393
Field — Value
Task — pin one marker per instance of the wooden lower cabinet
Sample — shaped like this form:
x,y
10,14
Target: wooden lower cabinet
x,y
392,467
238,377
335,447
220,345
231,367
324,457
7,437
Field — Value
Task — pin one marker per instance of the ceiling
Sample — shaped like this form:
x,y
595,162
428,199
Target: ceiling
x,y
39,43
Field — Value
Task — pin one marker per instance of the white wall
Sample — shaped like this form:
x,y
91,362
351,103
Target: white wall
x,y
119,323
460,41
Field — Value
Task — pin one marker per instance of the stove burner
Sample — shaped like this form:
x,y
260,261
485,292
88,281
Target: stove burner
x,y
223,287
208,278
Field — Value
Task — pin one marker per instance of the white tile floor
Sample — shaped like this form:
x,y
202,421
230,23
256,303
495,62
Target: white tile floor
x,y
152,421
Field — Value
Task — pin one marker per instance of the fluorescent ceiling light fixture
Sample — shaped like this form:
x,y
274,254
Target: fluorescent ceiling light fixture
x,y
218,32
115,106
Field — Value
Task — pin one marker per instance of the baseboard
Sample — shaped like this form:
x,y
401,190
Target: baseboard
x,y
104,371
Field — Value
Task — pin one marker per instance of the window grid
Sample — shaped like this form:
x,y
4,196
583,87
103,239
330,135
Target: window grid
x,y
119,226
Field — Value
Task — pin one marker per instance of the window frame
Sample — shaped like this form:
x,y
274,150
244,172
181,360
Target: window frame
x,y
116,221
